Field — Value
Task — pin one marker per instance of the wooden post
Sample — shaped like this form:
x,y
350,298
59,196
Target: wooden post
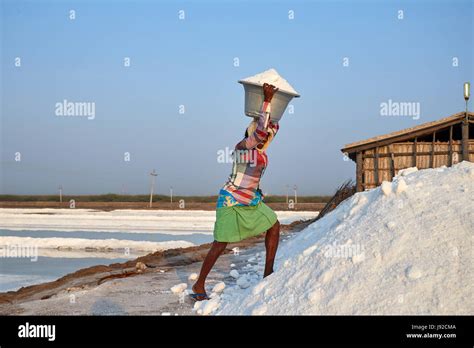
x,y
392,165
391,160
414,152
376,166
359,171
450,147
432,150
465,139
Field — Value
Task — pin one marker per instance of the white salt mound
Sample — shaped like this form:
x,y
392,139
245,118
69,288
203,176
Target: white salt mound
x,y
407,171
386,258
219,287
272,77
179,288
193,276
401,186
209,306
386,188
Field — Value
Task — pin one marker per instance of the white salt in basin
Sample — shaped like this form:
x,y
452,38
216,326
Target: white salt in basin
x,y
271,76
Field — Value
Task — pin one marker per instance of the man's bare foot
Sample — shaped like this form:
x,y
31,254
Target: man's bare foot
x,y
199,289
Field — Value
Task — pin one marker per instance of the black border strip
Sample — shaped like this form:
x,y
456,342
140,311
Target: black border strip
x,y
287,330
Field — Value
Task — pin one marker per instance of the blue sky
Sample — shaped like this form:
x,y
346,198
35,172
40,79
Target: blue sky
x,y
190,62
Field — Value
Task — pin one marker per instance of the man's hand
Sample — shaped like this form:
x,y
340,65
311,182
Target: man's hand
x,y
268,92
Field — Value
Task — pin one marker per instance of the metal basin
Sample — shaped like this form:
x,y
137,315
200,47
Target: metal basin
x,y
254,101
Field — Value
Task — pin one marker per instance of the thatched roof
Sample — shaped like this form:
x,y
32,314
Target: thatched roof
x,y
406,134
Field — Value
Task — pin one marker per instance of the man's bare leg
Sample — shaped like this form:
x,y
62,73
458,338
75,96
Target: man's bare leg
x,y
271,245
216,250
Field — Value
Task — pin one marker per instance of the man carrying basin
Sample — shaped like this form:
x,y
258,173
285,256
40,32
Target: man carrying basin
x,y
241,212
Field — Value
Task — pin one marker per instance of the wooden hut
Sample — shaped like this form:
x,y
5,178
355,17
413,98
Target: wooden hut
x,y
429,145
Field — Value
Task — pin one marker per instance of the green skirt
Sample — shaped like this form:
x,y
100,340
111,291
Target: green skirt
x,y
236,223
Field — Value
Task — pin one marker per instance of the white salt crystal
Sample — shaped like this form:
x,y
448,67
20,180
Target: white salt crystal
x,y
272,77
193,276
179,288
401,186
210,306
218,287
407,171
386,188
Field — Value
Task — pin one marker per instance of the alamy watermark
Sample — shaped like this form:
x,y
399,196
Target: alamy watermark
x,y
344,250
19,251
228,155
405,109
28,330
81,109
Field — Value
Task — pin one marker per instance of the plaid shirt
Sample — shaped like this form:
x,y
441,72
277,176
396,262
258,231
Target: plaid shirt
x,y
249,163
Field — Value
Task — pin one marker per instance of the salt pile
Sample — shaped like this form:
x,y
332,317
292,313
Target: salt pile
x,y
405,248
272,77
